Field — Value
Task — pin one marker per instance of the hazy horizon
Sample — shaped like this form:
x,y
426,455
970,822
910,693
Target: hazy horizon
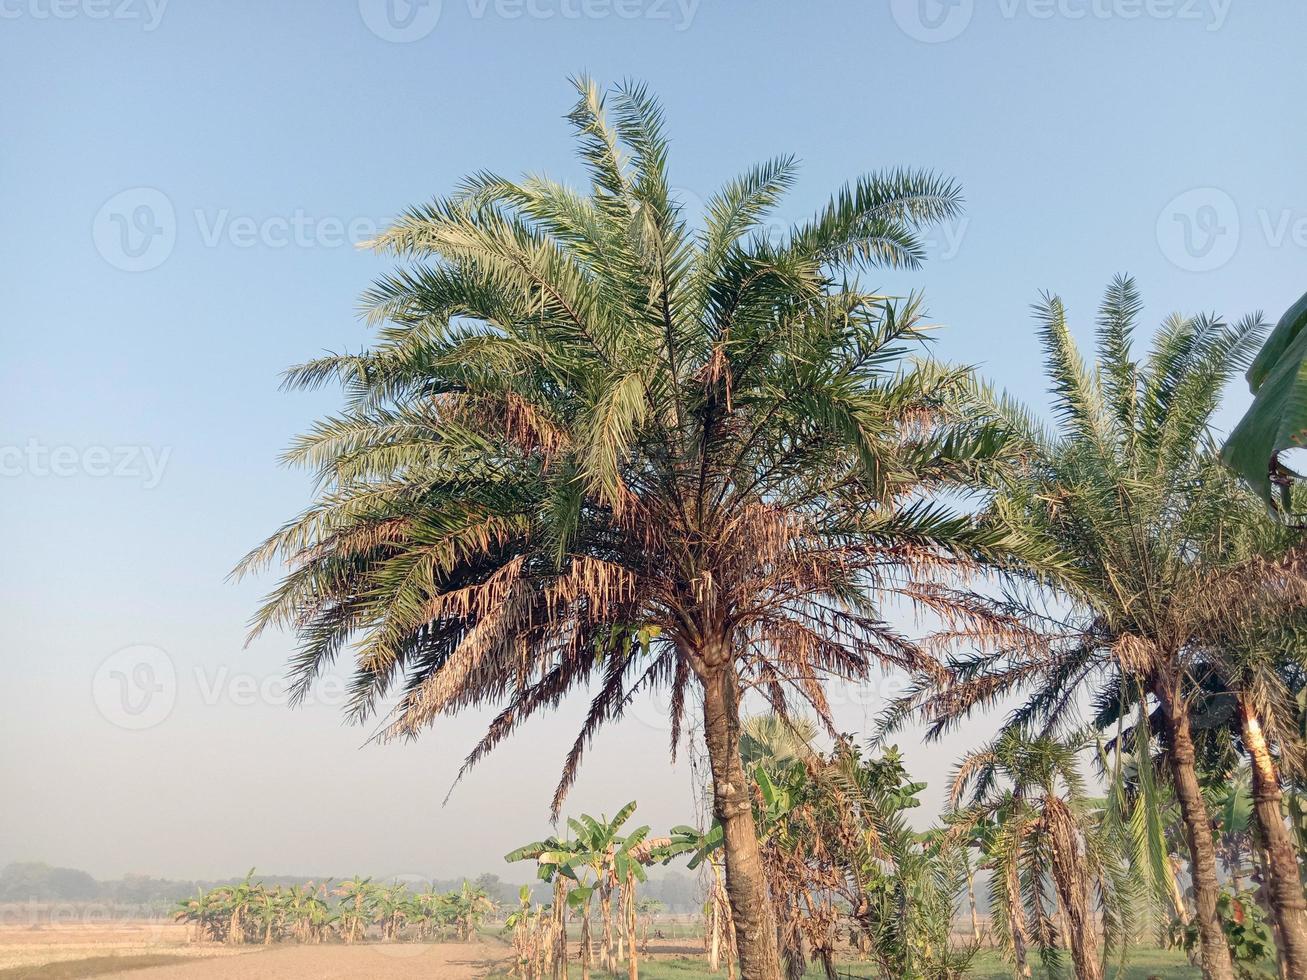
x,y
182,191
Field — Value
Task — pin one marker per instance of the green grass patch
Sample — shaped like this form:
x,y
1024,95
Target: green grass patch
x,y
1165,964
1143,964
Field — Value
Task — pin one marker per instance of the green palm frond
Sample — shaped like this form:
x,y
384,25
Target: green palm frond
x,y
594,445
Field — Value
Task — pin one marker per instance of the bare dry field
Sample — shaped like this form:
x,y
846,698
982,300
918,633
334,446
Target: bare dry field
x,y
26,944
158,949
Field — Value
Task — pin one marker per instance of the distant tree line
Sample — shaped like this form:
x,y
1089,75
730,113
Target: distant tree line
x,y
35,881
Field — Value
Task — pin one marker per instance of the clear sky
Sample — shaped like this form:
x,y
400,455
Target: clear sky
x,y
179,184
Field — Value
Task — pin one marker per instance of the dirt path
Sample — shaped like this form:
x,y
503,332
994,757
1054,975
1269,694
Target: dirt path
x,y
400,961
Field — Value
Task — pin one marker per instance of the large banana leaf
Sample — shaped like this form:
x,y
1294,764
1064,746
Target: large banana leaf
x,y
1277,420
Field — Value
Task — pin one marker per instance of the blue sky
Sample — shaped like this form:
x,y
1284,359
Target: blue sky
x,y
180,183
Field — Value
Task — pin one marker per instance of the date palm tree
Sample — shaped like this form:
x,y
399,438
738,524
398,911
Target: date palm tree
x,y
1032,792
1246,676
596,444
1130,490
1256,664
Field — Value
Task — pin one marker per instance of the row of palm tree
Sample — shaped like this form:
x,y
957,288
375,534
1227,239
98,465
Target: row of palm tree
x,y
843,860
1177,606
1068,877
605,445
351,911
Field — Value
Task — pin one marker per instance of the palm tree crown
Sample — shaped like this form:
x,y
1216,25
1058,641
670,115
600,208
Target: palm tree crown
x,y
592,440
598,447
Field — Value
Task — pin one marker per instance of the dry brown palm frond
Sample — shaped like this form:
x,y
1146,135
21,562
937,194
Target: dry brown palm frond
x,y
1136,655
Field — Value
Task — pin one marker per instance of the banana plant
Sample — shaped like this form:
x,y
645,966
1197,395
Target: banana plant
x,y
390,909
719,925
358,898
202,914
1277,420
597,840
269,907
521,925
471,906
578,901
629,860
555,864
239,901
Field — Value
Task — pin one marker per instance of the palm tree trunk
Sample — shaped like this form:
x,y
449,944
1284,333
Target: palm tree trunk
x,y
1016,915
746,883
1071,880
1263,862
1216,962
971,898
1284,887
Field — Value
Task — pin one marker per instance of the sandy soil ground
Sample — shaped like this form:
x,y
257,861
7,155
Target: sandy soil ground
x,y
453,961
109,949
55,940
